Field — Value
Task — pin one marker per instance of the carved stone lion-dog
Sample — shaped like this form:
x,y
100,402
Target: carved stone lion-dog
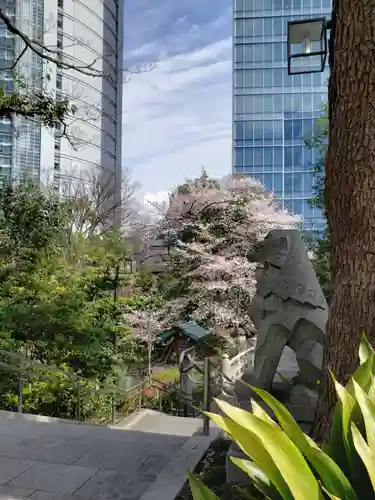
x,y
288,310
290,313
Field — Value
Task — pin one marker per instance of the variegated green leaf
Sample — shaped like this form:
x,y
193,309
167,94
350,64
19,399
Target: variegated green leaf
x,y
253,447
365,349
368,411
347,404
259,478
287,457
199,490
260,413
365,452
333,479
363,375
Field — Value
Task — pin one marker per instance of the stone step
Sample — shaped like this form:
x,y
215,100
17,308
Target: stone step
x,y
162,423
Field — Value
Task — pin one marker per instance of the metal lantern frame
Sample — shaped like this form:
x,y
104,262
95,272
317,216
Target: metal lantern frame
x,y
323,45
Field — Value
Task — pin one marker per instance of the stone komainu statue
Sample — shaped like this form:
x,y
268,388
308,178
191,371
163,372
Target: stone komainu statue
x,y
289,309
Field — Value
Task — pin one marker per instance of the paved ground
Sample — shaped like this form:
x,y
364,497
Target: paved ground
x,y
52,460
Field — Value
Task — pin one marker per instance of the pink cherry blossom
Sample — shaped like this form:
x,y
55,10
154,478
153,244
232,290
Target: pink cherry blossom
x,y
215,224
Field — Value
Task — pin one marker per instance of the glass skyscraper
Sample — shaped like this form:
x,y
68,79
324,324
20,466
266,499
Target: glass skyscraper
x,y
7,56
87,34
274,113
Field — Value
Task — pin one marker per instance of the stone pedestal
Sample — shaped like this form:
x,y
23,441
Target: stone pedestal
x,y
298,399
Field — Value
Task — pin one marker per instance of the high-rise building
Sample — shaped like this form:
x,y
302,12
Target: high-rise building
x,y
87,34
274,113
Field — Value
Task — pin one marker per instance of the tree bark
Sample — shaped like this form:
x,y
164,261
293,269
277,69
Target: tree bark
x,y
350,196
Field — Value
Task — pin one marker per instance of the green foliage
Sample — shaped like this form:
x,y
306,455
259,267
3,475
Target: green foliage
x,y
200,490
285,463
167,376
145,280
212,471
56,392
145,302
101,259
57,299
322,253
319,142
322,264
33,104
32,221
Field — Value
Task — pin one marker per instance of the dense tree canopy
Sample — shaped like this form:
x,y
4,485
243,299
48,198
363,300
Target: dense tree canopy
x,y
321,255
59,300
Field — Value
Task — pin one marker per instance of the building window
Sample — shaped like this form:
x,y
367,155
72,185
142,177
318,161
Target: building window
x,y
268,157
268,181
278,183
274,113
239,157
288,130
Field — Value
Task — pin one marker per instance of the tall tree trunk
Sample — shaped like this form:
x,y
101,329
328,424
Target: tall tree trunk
x,y
350,196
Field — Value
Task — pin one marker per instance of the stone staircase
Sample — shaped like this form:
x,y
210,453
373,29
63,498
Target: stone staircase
x,y
143,457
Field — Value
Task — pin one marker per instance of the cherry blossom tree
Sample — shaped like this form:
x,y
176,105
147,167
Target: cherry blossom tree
x,y
145,325
212,224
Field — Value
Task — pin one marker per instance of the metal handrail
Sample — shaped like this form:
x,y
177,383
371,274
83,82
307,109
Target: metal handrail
x,y
103,389
206,372
170,388
79,383
77,378
135,394
241,354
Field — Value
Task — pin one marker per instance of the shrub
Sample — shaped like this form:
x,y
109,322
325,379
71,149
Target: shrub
x,y
285,463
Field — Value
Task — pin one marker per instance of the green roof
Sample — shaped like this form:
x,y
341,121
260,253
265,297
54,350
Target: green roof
x,y
190,329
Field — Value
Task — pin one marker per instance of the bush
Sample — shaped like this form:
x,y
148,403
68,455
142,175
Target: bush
x,y
54,394
285,463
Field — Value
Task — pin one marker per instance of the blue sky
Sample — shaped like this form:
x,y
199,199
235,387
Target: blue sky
x,y
177,117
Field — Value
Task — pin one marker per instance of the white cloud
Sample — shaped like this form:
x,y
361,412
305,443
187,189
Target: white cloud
x,y
160,197
181,20
177,118
150,205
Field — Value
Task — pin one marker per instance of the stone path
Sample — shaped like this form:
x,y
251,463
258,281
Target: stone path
x,y
48,459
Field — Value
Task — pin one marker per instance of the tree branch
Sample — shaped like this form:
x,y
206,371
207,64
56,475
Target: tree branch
x,y
55,55
40,105
52,55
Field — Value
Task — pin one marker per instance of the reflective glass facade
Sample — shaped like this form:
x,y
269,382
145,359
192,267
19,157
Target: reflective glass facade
x,y
87,33
27,150
7,55
274,113
20,143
